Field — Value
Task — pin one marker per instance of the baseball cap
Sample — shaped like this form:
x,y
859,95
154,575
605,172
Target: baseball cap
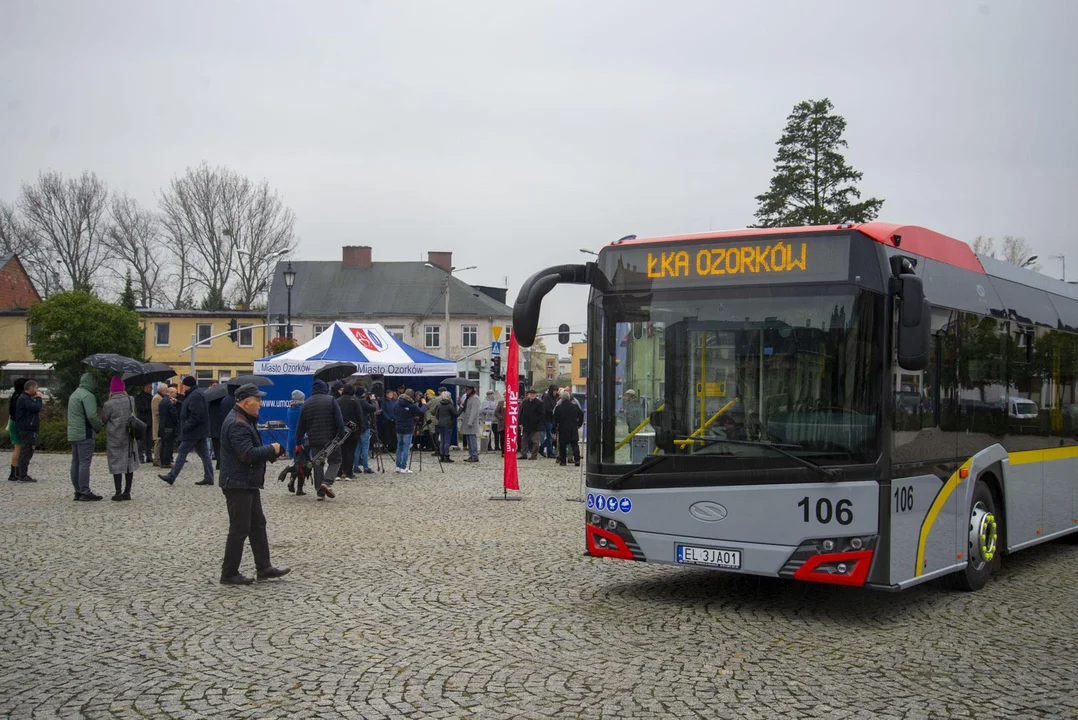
x,y
249,390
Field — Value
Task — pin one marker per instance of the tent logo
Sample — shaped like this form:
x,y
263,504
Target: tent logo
x,y
369,339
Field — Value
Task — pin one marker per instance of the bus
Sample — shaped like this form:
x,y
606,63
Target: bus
x,y
860,404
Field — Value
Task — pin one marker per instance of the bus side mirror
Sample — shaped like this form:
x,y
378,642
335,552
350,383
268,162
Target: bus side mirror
x,y
914,324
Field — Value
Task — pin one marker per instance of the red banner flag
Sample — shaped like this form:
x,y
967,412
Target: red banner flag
x,y
512,405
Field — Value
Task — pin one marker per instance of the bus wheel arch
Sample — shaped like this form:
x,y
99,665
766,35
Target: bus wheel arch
x,y
984,538
991,477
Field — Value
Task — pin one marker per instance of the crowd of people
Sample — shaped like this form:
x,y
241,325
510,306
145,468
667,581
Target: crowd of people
x,y
337,431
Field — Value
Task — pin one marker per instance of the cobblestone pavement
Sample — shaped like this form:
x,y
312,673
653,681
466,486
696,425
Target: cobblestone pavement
x,y
414,596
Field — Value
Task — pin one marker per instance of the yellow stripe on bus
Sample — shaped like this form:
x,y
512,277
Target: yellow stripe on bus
x,y
1031,456
937,505
1015,458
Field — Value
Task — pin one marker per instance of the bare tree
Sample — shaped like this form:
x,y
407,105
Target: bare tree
x,y
266,226
68,220
134,239
984,246
196,209
1017,251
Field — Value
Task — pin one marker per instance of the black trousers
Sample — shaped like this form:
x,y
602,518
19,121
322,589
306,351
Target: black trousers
x,y
29,440
563,445
145,445
215,443
245,520
168,442
348,455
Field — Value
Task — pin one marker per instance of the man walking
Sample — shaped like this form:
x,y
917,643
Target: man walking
x,y
82,422
568,417
144,412
243,475
155,426
27,412
194,431
320,421
531,419
469,423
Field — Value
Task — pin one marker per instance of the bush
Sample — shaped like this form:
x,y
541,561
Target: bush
x,y
52,437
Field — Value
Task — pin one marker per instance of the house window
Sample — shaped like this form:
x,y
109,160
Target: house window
x,y
160,334
29,333
224,376
469,336
396,331
583,372
247,336
319,329
549,364
204,377
203,332
432,336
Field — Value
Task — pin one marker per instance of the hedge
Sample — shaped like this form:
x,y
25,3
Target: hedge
x,y
52,437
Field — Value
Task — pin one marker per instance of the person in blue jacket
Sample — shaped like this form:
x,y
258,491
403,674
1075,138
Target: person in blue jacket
x,y
405,414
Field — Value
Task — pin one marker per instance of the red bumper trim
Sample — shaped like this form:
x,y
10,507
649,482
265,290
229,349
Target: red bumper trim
x,y
861,559
615,549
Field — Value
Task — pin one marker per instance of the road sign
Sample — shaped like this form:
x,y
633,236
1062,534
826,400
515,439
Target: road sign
x,y
495,348
497,330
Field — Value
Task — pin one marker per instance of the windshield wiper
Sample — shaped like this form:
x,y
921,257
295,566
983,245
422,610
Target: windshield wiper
x,y
649,461
804,462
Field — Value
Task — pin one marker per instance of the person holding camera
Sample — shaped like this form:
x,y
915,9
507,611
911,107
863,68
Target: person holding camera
x,y
243,475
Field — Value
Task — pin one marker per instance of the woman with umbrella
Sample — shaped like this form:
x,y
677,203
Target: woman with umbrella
x,y
120,448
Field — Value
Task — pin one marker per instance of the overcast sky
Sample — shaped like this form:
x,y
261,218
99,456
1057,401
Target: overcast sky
x,y
513,134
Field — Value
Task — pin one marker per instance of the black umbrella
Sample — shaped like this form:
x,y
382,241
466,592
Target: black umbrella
x,y
462,382
151,372
336,371
113,362
218,392
256,380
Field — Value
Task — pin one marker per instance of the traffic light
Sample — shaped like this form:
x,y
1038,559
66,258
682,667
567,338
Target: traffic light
x,y
496,368
563,334
232,327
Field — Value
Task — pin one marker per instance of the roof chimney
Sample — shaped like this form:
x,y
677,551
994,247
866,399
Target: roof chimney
x,y
356,256
444,260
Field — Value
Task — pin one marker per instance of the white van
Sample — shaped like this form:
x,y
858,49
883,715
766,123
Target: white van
x,y
1021,408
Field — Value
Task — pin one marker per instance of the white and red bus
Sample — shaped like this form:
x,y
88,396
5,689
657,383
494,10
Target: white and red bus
x,y
845,404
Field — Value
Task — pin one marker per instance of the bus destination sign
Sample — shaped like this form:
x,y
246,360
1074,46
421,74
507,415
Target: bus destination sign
x,y
738,262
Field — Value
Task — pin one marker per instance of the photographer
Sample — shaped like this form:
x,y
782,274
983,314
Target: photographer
x,y
243,475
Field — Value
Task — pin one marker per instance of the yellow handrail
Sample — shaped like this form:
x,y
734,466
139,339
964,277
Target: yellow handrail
x,y
696,433
637,429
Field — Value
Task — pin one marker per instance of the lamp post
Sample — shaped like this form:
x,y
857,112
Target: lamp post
x,y
1032,259
588,252
1062,259
448,274
269,281
289,281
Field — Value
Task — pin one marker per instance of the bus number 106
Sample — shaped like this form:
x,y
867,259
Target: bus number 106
x,y
842,511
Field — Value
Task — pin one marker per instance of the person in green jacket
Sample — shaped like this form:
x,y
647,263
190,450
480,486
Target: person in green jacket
x,y
82,422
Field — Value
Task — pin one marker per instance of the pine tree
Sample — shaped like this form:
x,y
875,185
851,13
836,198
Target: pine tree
x,y
812,184
127,297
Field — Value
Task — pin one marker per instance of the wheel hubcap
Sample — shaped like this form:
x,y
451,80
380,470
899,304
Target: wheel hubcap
x,y
982,536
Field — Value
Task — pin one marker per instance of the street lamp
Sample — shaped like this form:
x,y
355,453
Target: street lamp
x,y
269,278
448,273
588,252
1032,259
1062,259
289,281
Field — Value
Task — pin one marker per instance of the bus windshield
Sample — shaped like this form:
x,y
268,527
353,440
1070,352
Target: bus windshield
x,y
790,374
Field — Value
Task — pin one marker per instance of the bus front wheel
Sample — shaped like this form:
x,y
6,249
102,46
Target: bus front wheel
x,y
983,542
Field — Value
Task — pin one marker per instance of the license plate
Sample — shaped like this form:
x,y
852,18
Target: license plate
x,y
712,557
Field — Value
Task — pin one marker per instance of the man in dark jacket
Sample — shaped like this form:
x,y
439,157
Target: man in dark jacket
x,y
243,475
320,421
406,413
144,412
350,412
27,412
550,401
194,433
531,419
568,417
368,414
168,420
